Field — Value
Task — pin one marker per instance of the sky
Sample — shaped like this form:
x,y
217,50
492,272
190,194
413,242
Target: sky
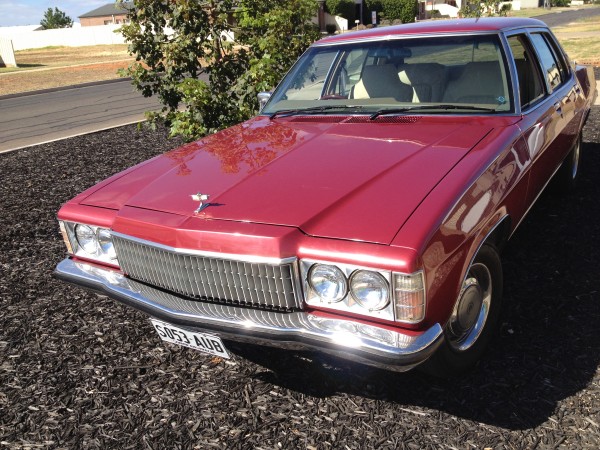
x,y
31,12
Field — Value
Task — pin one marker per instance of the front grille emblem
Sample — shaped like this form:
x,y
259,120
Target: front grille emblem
x,y
201,198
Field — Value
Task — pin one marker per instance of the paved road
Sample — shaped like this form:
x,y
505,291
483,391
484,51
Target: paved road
x,y
44,117
555,19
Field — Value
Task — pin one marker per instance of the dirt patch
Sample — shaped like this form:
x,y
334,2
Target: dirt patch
x,y
70,56
17,82
63,66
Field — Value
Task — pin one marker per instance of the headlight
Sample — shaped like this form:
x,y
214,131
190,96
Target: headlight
x,y
370,289
86,238
89,241
328,282
376,293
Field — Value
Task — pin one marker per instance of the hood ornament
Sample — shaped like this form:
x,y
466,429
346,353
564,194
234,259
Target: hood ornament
x,y
201,198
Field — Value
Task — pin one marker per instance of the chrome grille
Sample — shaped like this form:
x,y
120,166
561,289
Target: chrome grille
x,y
199,277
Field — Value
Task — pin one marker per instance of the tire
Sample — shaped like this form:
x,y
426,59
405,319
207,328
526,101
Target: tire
x,y
566,177
474,319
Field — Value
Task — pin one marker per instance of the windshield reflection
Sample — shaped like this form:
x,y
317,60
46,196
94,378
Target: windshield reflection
x,y
469,73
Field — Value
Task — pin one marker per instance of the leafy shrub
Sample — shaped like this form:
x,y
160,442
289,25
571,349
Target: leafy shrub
x,y
404,10
343,8
271,34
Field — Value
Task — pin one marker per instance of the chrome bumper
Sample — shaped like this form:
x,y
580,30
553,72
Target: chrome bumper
x,y
299,330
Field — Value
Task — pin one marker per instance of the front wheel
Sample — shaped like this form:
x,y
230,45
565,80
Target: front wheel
x,y
474,318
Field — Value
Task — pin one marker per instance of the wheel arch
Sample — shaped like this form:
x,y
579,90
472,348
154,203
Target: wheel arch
x,y
496,233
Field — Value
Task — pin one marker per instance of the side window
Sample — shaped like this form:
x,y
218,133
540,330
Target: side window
x,y
530,82
561,58
549,63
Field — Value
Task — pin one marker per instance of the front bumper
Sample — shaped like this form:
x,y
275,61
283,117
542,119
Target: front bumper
x,y
346,339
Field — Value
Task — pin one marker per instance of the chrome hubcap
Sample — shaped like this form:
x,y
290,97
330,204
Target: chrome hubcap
x,y
471,311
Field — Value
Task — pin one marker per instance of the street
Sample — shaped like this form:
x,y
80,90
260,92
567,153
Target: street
x,y
37,118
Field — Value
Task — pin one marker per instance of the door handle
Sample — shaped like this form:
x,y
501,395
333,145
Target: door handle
x,y
558,107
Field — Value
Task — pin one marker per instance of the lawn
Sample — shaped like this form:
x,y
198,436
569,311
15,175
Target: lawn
x,y
581,40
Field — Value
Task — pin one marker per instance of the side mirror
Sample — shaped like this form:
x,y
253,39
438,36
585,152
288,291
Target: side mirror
x,y
263,98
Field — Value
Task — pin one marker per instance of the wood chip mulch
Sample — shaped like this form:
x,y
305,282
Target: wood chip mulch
x,y
79,371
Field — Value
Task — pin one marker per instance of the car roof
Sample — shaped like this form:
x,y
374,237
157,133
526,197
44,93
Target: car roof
x,y
490,24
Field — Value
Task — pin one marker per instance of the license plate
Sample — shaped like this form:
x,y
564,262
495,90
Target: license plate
x,y
203,342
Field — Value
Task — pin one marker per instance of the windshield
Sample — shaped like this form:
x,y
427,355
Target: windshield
x,y
460,74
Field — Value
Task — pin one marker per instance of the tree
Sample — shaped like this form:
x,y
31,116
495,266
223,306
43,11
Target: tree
x,y
55,19
206,81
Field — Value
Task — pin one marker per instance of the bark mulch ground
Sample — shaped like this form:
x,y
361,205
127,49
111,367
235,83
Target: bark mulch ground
x,y
79,371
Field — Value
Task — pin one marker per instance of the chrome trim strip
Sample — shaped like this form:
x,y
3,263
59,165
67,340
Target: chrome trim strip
x,y
299,330
216,255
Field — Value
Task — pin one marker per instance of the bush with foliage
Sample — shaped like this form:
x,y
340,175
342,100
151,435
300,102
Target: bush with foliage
x,y
343,8
388,11
404,10
205,81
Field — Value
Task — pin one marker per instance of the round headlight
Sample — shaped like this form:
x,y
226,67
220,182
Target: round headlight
x,y
86,238
328,282
105,243
370,290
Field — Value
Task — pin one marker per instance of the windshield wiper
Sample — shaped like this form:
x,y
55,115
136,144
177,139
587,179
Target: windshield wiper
x,y
312,110
383,112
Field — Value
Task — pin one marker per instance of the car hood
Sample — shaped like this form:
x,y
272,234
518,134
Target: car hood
x,y
327,176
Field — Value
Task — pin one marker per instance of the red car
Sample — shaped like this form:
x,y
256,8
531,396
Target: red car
x,y
362,213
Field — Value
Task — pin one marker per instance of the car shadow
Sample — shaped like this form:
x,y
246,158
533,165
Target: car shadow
x,y
547,347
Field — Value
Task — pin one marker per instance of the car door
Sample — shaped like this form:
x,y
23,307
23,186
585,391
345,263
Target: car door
x,y
541,119
568,103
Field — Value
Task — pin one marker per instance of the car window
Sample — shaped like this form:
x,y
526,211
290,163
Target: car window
x,y
310,77
469,73
561,58
548,61
530,82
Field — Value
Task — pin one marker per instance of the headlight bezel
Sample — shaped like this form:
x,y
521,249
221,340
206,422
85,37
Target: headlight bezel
x,y
395,309
99,253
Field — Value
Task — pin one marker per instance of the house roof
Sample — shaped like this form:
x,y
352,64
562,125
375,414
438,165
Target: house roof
x,y
110,9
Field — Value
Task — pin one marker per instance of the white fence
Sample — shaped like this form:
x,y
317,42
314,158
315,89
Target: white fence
x,y
70,37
